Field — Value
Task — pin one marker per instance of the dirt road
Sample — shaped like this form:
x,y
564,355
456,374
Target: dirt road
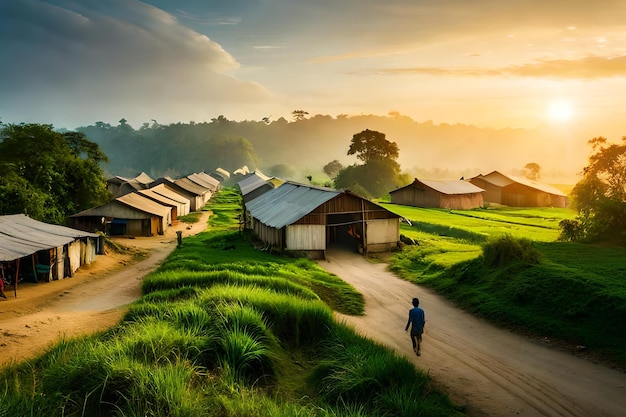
x,y
492,372
92,300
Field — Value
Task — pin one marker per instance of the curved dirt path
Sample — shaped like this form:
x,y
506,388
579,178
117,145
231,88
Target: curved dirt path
x,y
489,371
93,300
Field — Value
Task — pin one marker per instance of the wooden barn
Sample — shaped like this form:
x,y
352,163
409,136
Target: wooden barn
x,y
515,191
307,220
130,215
453,194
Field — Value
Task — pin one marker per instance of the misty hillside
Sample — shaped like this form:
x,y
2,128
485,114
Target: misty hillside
x,y
303,147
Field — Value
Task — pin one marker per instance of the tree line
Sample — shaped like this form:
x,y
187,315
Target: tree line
x,y
50,174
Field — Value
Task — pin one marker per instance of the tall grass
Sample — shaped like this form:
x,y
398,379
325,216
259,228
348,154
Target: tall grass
x,y
225,332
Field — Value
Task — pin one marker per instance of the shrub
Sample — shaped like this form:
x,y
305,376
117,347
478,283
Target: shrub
x,y
507,249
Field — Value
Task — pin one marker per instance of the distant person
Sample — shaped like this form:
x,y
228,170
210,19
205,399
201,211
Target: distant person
x,y
2,294
417,321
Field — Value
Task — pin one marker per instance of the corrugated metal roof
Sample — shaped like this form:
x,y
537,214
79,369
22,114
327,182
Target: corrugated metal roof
x,y
22,236
171,194
143,178
187,184
144,204
205,180
501,180
159,198
538,186
452,187
448,187
252,182
288,203
496,178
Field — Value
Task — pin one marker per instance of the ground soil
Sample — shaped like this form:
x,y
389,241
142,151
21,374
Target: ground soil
x,y
93,300
485,370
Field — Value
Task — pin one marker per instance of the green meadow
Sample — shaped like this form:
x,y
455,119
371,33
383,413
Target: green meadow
x,y
507,265
225,329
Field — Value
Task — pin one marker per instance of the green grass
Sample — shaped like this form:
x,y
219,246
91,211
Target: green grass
x,y
570,292
226,330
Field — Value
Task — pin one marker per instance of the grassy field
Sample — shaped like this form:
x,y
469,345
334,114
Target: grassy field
x,y
224,329
573,293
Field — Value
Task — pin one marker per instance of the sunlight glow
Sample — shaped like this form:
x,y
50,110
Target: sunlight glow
x,y
560,111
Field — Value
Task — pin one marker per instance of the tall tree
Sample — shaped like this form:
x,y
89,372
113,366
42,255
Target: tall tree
x,y
370,145
299,115
531,171
61,170
600,197
332,168
379,173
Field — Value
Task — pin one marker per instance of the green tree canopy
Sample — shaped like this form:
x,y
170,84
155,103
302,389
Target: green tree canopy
x,y
380,172
600,197
532,171
49,175
370,145
332,168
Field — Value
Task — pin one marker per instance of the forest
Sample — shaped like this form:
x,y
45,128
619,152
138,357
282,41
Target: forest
x,y
299,148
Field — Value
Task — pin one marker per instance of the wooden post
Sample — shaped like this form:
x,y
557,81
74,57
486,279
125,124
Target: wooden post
x,y
17,274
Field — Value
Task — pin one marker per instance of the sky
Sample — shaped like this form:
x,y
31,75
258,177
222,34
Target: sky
x,y
488,63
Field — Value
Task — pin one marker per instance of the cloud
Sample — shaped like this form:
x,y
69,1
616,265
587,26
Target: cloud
x,y
68,56
592,67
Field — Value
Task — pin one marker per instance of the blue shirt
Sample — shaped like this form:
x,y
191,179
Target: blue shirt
x,y
417,319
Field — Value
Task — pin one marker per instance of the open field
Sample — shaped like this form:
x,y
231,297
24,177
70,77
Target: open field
x,y
574,294
224,329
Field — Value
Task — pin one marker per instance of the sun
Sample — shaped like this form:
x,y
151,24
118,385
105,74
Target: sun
x,y
560,111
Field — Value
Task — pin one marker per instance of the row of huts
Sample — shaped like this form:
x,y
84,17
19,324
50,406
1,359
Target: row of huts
x,y
481,190
143,206
306,220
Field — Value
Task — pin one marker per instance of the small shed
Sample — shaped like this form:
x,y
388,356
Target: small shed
x,y
202,193
205,180
196,201
38,250
131,214
119,186
254,185
164,201
451,194
183,202
300,218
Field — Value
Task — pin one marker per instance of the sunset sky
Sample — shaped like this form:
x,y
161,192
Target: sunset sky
x,y
490,63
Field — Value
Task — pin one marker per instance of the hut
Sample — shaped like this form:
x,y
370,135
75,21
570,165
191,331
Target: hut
x,y
184,203
302,219
202,193
194,194
164,201
119,186
40,251
255,184
206,181
516,191
452,194
131,214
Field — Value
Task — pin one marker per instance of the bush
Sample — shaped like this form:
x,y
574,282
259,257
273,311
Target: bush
x,y
507,249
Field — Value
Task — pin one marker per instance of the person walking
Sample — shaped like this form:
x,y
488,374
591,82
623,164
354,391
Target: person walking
x,y
417,320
